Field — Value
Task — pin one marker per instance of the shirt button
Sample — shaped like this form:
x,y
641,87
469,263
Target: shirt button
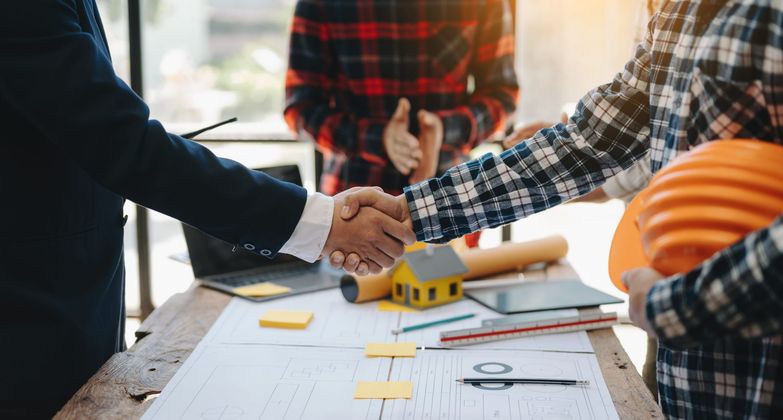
x,y
266,252
249,247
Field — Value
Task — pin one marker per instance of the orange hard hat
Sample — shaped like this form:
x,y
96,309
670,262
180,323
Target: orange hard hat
x,y
704,201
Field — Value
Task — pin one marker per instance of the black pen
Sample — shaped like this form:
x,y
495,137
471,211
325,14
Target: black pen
x,y
205,129
535,381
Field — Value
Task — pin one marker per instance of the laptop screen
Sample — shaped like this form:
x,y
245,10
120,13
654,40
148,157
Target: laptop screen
x,y
210,256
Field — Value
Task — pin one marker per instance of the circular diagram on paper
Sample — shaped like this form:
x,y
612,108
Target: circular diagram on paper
x,y
492,368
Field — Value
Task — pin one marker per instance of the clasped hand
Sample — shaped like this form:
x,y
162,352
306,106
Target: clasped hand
x,y
369,230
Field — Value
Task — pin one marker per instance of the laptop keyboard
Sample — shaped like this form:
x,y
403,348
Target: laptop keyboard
x,y
244,279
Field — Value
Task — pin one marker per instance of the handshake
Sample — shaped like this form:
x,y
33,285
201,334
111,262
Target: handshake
x,y
369,230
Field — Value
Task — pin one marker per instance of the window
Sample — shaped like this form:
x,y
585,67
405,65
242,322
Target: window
x,y
114,14
453,289
398,289
208,60
432,294
415,293
596,37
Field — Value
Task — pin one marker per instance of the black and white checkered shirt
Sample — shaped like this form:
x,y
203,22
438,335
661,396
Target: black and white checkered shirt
x,y
707,70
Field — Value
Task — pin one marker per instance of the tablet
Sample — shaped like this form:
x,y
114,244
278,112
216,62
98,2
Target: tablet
x,y
540,296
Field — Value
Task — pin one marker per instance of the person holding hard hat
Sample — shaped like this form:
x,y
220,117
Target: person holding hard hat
x,y
707,70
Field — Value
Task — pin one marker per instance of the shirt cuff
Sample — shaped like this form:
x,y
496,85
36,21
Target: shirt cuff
x,y
422,206
311,232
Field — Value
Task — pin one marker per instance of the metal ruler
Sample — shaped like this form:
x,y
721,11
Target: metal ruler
x,y
526,329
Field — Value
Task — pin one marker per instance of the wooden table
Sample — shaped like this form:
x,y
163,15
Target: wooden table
x,y
128,382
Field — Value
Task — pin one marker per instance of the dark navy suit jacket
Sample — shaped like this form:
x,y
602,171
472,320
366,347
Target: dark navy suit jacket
x,y
74,142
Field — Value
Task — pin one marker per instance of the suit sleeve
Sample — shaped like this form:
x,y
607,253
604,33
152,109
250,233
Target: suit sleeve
x,y
56,78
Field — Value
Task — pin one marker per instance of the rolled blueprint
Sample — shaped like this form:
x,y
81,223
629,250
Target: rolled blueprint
x,y
359,289
480,263
511,256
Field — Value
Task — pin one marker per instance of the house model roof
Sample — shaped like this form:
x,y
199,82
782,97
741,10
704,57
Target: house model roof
x,y
443,262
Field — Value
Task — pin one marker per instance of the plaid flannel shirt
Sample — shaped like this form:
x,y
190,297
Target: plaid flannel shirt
x,y
351,61
693,79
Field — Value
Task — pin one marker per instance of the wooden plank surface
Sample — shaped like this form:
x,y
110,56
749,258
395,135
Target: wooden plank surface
x,y
128,382
123,387
630,395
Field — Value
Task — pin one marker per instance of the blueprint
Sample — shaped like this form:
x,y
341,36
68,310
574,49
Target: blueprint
x,y
337,323
227,382
238,382
436,394
242,371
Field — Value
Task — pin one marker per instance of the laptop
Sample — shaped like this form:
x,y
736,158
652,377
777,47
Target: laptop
x,y
216,264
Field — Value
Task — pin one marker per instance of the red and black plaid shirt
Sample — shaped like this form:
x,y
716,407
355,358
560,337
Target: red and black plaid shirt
x,y
351,61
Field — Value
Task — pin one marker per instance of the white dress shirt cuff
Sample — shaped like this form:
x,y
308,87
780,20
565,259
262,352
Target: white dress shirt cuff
x,y
311,232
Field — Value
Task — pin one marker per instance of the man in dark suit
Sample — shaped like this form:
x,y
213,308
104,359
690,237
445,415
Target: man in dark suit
x,y
76,141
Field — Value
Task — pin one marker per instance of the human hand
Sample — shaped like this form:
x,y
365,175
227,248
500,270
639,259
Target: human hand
x,y
639,281
430,140
353,200
527,131
401,146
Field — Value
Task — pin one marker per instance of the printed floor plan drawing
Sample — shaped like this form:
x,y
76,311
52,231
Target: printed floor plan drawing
x,y
335,322
271,382
339,324
437,395
240,371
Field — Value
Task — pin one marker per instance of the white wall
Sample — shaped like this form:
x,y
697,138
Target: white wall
x,y
566,47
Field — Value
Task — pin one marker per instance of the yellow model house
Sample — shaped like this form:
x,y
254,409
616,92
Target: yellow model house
x,y
429,277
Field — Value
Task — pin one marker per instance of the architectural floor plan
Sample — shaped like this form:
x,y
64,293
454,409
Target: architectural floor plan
x,y
242,371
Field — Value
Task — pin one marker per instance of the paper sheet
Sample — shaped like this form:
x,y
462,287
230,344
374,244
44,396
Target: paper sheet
x,y
405,349
438,396
289,382
337,323
270,382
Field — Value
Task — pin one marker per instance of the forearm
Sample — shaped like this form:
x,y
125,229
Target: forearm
x,y
556,165
607,133
736,293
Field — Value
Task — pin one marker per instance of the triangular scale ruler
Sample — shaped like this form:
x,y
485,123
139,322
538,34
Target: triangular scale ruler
x,y
526,329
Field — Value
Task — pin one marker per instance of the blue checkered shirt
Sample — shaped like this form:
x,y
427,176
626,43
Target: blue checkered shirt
x,y
706,70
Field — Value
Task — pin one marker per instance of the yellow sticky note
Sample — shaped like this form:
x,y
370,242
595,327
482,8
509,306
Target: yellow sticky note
x,y
262,290
378,390
390,349
279,318
388,306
